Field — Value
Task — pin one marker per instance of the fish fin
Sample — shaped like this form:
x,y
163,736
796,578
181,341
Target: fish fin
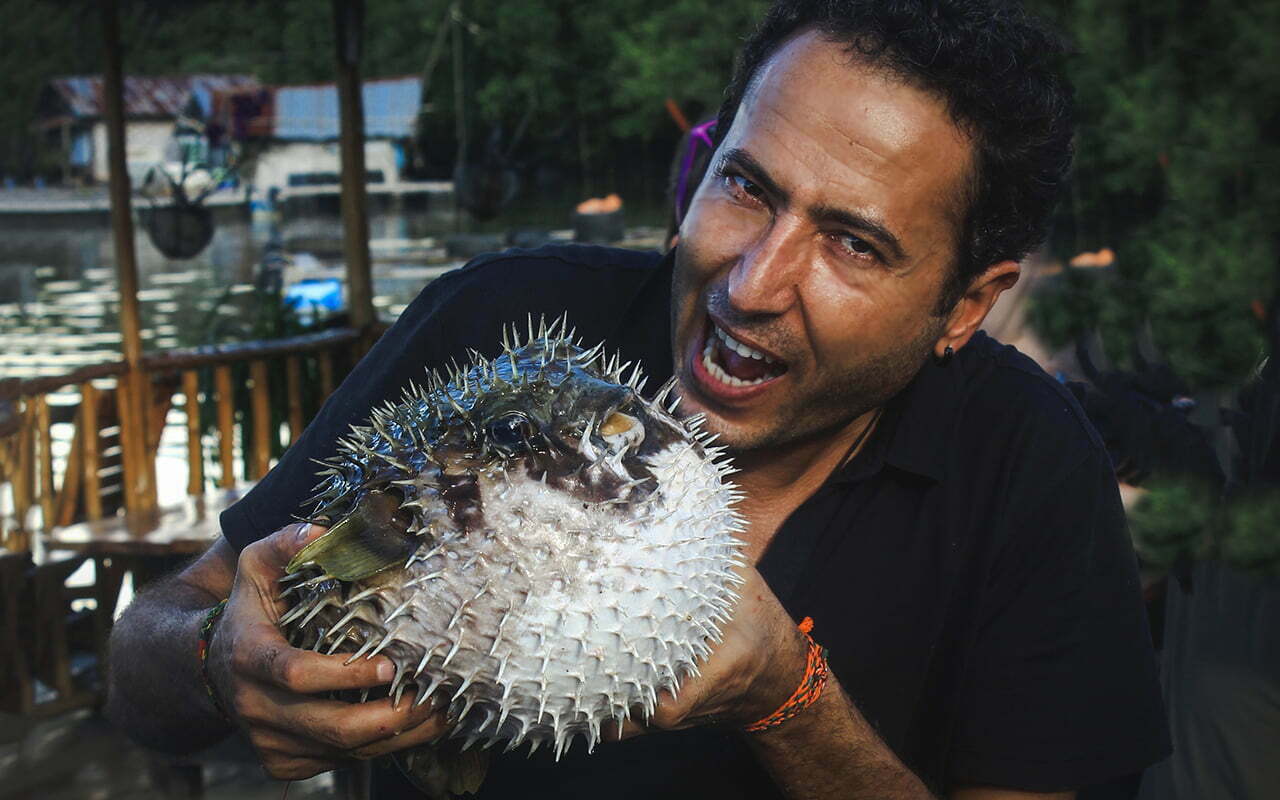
x,y
367,540
442,771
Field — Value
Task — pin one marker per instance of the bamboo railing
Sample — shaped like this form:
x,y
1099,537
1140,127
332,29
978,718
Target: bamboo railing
x,y
282,379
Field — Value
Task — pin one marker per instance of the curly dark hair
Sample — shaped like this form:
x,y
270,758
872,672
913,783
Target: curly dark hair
x,y
996,68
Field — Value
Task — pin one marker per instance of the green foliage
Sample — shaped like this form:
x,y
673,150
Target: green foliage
x,y
1183,520
1176,169
1251,540
682,53
1172,522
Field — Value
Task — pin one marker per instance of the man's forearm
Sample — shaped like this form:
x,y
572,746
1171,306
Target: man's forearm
x,y
830,751
155,692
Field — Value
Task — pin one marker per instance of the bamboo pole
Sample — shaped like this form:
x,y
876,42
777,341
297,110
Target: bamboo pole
x,y
226,426
44,464
23,483
293,388
92,460
139,491
261,419
195,454
348,28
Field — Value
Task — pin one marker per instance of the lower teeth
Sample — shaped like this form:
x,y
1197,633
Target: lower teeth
x,y
719,374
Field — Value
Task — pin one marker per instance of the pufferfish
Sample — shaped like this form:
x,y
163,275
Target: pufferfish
x,y
535,545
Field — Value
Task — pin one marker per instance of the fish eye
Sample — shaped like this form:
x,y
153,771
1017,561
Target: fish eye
x,y
510,431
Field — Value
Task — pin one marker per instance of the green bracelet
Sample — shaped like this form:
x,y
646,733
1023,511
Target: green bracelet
x,y
206,636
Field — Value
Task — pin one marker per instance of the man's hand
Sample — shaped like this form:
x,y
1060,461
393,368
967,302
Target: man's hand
x,y
271,687
753,670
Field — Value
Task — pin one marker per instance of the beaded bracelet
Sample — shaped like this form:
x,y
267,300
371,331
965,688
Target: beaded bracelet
x,y
206,636
810,688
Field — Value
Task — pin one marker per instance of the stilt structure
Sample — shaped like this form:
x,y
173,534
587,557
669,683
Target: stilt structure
x,y
348,29
139,469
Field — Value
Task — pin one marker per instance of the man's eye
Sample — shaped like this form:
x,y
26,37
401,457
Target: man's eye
x,y
856,245
740,185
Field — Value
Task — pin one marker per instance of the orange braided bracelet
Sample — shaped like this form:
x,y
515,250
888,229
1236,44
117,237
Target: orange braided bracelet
x,y
809,690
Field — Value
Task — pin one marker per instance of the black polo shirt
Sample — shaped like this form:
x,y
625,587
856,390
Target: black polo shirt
x,y
969,572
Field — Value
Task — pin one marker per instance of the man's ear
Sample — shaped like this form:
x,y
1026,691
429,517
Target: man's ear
x,y
974,304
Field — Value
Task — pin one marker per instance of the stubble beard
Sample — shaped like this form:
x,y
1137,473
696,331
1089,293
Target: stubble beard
x,y
833,404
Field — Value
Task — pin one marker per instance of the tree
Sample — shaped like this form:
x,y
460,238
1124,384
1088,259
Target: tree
x,y
1176,169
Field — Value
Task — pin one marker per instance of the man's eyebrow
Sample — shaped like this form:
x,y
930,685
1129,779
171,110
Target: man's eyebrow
x,y
747,163
862,223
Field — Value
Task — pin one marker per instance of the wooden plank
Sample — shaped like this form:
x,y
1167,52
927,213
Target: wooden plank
x,y
44,468
226,425
325,360
261,403
293,388
92,456
186,530
215,355
185,358
51,383
195,453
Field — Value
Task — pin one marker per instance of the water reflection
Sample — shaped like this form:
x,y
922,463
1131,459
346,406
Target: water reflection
x,y
59,302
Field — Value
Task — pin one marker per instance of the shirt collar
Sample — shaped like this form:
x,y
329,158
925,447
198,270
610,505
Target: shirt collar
x,y
922,433
914,433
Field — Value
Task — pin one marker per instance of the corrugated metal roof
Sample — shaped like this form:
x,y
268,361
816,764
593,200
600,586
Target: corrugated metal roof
x,y
310,113
146,96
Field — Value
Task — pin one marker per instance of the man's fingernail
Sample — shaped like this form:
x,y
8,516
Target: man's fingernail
x,y
386,671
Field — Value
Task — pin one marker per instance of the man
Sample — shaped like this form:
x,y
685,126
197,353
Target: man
x,y
936,503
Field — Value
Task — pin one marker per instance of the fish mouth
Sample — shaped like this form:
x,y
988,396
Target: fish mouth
x,y
728,367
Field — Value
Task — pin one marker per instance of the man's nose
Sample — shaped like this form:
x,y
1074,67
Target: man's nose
x,y
766,277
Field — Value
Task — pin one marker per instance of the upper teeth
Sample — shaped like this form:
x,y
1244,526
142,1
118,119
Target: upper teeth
x,y
738,347
717,372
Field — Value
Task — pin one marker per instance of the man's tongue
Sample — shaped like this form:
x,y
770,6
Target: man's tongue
x,y
740,367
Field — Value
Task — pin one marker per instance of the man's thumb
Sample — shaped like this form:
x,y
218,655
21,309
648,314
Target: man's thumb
x,y
285,543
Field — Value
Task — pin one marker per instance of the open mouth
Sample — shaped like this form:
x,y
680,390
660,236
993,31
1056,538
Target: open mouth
x,y
735,364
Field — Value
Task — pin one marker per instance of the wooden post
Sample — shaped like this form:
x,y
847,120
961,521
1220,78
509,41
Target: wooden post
x,y
23,482
139,485
348,29
44,463
293,391
89,443
226,425
325,359
68,494
261,403
195,454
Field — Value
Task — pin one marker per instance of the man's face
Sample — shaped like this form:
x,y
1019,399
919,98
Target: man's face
x,y
819,239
